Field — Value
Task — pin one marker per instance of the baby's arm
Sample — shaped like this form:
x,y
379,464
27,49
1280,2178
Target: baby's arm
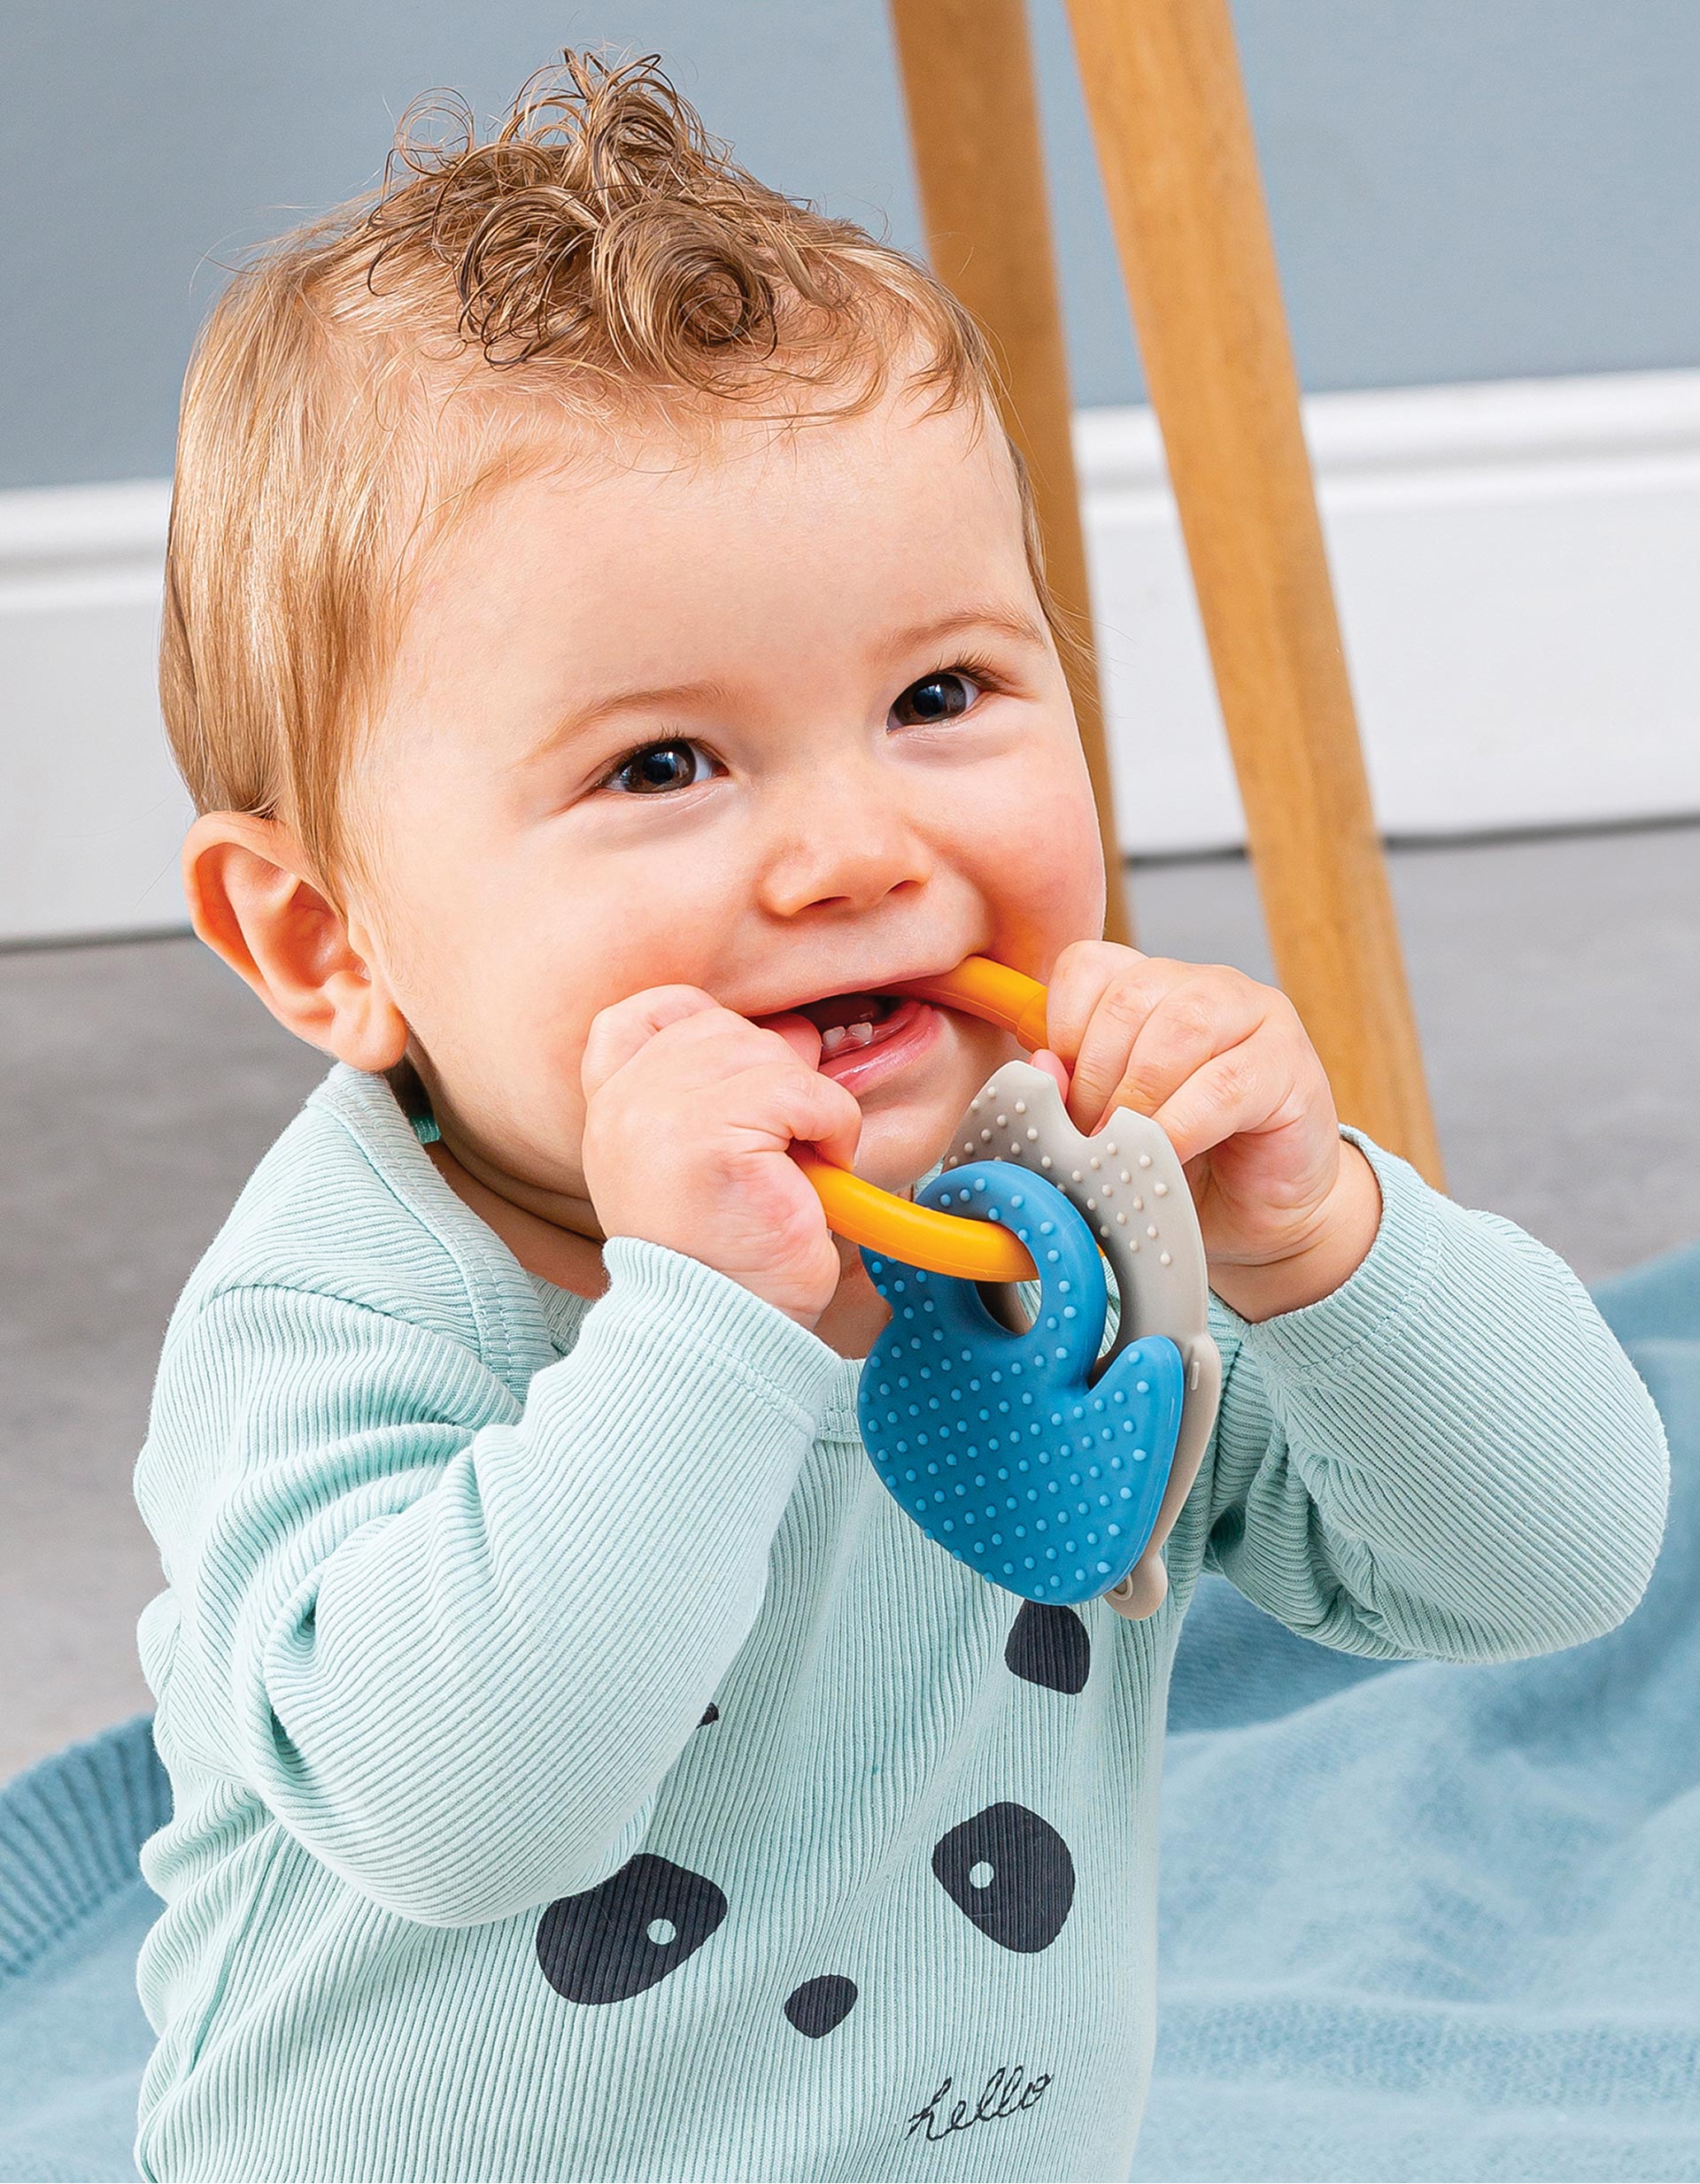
x,y
459,1648
1450,1456
1430,1442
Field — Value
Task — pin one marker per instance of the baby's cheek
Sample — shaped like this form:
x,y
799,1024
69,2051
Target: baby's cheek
x,y
981,1050
1045,868
1055,898
515,1075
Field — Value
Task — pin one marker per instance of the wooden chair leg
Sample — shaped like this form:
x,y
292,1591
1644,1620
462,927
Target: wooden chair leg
x,y
1175,143
967,84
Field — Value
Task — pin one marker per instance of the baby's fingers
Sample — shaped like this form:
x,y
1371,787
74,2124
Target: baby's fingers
x,y
1142,1045
801,1104
1244,1089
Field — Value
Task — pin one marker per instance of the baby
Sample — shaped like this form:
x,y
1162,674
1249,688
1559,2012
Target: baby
x,y
564,1726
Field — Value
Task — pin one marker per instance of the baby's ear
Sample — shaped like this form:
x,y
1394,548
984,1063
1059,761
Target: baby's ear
x,y
251,899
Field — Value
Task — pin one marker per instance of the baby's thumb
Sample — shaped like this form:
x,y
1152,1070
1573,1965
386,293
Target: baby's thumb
x,y
799,1034
1054,1067
624,1027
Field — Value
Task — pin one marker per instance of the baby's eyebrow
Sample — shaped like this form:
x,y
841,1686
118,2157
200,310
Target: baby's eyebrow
x,y
1009,621
652,699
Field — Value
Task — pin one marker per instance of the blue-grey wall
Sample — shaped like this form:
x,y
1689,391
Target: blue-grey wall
x,y
1461,189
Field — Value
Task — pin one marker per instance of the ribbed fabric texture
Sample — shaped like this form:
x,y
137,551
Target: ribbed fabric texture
x,y
60,1828
582,1769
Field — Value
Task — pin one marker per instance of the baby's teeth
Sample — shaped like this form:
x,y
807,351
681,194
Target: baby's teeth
x,y
843,1035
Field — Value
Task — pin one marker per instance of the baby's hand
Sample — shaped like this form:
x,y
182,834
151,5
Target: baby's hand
x,y
690,1114
1289,1207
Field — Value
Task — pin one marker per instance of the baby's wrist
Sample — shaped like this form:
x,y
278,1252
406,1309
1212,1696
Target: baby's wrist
x,y
1342,1241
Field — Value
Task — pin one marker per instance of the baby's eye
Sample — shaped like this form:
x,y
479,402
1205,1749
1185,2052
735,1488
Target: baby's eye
x,y
659,767
938,697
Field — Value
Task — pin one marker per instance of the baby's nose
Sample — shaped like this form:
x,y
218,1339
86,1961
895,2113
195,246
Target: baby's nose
x,y
843,847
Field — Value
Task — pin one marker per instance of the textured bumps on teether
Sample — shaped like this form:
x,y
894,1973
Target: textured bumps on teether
x,y
1000,1443
1134,1190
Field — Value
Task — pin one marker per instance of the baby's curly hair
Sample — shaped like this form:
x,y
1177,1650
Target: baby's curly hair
x,y
363,380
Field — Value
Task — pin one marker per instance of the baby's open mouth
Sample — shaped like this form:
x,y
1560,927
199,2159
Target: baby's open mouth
x,y
847,1021
868,1038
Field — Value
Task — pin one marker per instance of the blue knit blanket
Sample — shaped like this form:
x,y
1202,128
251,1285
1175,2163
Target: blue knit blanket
x,y
1418,1921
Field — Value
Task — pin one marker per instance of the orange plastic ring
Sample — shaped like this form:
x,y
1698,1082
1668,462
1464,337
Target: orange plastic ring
x,y
974,1251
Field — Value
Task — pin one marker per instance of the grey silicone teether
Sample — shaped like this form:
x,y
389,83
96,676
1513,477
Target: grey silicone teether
x,y
1127,1182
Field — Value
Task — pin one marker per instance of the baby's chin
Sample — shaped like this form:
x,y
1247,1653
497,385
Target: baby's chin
x,y
904,1139
895,1151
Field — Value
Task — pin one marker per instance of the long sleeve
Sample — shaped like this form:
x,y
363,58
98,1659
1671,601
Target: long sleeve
x,y
459,1642
1450,1457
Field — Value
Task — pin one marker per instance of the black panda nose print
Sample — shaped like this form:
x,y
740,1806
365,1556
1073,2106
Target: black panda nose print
x,y
631,1930
820,2006
712,1714
1010,1872
1049,1645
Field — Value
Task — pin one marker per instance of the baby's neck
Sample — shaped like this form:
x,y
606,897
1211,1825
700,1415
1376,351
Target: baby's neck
x,y
557,1253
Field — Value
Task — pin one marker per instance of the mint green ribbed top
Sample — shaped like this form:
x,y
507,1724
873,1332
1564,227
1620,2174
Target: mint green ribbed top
x,y
583,1768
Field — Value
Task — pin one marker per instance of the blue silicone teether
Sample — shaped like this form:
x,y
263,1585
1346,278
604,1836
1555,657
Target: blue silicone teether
x,y
1001,1446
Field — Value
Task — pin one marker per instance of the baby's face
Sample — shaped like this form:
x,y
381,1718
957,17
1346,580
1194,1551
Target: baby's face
x,y
782,722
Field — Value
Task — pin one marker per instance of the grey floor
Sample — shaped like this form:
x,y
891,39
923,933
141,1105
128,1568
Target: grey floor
x,y
1556,983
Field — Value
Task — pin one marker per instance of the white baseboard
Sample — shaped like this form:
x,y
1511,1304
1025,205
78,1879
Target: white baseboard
x,y
1515,568
1514,563
91,811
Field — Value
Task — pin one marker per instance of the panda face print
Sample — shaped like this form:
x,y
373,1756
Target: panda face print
x,y
1005,1868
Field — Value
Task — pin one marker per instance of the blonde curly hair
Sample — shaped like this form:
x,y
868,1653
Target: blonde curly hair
x,y
354,389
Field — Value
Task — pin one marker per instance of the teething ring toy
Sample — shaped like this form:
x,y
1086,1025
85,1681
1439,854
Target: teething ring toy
x,y
947,1243
1051,1471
